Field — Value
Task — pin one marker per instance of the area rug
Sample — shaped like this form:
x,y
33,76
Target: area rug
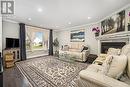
x,y
48,71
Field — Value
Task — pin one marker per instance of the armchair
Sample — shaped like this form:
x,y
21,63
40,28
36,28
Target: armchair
x,y
91,78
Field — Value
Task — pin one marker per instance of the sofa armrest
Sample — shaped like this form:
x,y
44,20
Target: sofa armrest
x,y
100,79
86,52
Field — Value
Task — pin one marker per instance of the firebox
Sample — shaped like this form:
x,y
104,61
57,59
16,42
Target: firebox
x,y
106,45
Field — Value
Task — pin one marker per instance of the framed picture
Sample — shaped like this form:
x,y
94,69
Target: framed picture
x,y
77,35
114,24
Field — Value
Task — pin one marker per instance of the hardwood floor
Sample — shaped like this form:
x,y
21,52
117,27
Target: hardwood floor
x,y
13,78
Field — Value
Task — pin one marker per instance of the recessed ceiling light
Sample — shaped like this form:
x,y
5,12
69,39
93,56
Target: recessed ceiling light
x,y
69,22
40,25
89,17
57,26
39,9
29,19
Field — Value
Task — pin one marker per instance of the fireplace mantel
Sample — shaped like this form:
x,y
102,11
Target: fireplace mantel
x,y
114,36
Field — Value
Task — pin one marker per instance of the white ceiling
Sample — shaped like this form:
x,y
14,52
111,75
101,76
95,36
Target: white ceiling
x,y
57,13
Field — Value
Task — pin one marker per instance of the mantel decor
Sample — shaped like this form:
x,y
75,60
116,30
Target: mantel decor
x,y
96,30
113,24
120,35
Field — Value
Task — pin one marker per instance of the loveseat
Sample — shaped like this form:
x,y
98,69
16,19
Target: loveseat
x,y
117,74
78,51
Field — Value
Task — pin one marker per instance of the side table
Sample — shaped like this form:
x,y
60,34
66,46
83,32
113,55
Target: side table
x,y
91,58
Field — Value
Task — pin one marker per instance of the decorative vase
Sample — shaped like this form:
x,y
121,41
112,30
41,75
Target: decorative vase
x,y
96,34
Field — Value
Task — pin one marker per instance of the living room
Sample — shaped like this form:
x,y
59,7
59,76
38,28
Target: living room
x,y
83,43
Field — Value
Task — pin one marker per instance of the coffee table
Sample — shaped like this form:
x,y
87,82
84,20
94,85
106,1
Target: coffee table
x,y
66,57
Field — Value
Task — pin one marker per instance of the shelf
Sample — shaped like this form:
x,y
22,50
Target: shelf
x,y
9,60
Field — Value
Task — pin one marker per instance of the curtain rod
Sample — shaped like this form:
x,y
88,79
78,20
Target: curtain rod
x,y
38,27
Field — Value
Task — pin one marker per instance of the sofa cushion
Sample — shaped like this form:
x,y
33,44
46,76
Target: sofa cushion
x,y
65,48
94,68
74,50
114,51
117,66
126,51
76,45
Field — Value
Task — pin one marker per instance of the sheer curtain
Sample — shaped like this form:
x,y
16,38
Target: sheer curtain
x,y
37,41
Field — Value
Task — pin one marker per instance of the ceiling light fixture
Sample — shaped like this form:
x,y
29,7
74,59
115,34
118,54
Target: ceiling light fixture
x,y
39,9
69,22
89,17
29,19
40,25
57,26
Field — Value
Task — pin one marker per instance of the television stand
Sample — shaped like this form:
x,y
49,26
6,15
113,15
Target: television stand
x,y
14,51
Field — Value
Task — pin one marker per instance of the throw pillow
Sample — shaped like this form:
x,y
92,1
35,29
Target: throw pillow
x,y
125,49
113,51
106,64
84,48
117,66
65,48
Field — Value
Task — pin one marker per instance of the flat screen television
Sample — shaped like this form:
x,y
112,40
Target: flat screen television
x,y
12,43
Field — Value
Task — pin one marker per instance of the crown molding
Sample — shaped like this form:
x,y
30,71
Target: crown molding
x,y
98,22
7,20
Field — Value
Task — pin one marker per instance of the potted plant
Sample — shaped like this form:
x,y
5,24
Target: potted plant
x,y
96,30
56,45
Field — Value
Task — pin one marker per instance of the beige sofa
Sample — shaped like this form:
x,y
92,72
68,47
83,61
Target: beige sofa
x,y
74,50
91,77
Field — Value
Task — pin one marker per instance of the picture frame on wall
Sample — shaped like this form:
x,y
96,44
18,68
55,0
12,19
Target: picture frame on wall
x,y
113,24
77,35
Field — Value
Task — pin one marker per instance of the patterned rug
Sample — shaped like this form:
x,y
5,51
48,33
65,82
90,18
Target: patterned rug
x,y
50,72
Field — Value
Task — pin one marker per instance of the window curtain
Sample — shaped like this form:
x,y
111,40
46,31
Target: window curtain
x,y
31,36
51,42
22,41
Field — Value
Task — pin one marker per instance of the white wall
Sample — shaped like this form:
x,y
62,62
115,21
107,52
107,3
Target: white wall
x,y
90,39
64,37
10,30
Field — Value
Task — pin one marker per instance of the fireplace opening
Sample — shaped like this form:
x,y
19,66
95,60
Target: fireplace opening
x,y
106,45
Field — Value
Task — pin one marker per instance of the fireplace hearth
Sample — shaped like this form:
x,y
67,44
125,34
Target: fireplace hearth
x,y
106,45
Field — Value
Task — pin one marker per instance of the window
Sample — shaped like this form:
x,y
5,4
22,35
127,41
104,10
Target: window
x,y
37,40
